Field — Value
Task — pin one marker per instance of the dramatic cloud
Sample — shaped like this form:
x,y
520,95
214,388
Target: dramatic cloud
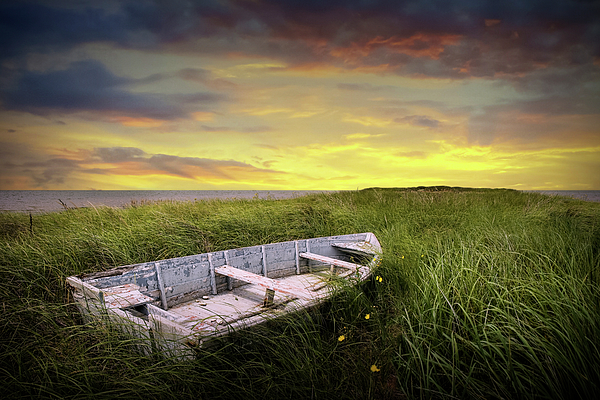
x,y
89,86
437,38
119,161
136,161
191,167
440,39
225,90
434,38
26,26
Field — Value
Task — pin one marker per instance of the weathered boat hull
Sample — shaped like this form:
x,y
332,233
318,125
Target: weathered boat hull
x,y
177,304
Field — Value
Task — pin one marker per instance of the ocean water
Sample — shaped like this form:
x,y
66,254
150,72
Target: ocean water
x,y
587,195
37,201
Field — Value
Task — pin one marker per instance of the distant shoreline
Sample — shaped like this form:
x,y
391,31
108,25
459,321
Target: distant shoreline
x,y
40,201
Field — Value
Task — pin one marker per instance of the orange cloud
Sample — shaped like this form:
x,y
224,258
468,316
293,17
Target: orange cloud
x,y
127,162
374,69
133,168
420,45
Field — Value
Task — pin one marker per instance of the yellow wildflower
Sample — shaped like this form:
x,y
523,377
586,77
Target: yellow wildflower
x,y
341,338
367,316
402,257
374,368
380,279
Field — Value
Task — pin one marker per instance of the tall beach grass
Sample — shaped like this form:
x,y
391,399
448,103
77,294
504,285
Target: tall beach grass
x,y
482,294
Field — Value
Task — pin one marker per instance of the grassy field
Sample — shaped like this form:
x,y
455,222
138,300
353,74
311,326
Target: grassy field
x,y
484,294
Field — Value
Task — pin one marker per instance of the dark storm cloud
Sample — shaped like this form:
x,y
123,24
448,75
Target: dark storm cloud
x,y
530,44
449,39
180,20
362,32
89,86
27,26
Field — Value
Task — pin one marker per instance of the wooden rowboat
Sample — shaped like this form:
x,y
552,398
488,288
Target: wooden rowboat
x,y
177,304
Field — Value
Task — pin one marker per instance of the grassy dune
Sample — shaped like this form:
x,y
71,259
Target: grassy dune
x,y
484,294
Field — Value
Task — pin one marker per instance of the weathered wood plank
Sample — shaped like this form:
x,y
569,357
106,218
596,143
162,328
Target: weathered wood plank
x,y
168,329
356,247
264,261
331,261
161,286
229,280
267,283
124,296
296,257
152,309
87,289
213,278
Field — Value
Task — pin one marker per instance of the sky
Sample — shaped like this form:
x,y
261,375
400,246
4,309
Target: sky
x,y
299,94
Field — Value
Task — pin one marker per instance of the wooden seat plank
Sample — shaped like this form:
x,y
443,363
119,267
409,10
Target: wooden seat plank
x,y
331,261
356,247
268,283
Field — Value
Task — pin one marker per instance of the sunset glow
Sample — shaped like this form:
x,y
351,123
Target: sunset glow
x,y
266,95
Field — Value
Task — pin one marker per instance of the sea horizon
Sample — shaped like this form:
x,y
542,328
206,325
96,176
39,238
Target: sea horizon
x,y
48,200
42,200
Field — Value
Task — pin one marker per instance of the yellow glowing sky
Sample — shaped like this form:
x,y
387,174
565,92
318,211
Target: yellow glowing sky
x,y
271,109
